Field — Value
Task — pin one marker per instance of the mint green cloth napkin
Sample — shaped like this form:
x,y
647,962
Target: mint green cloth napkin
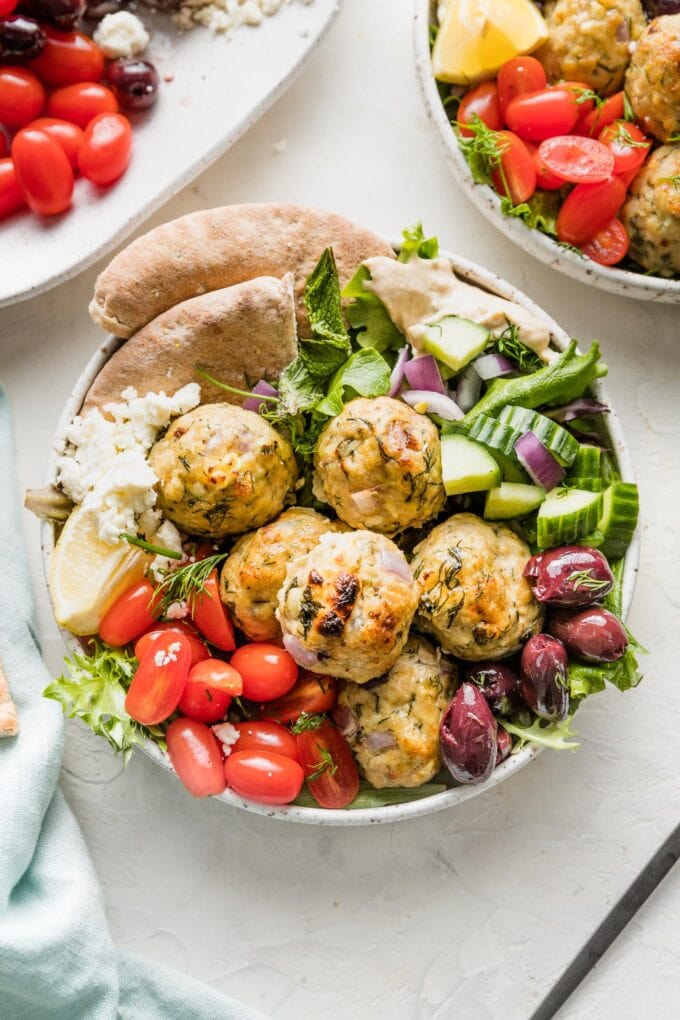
x,y
57,959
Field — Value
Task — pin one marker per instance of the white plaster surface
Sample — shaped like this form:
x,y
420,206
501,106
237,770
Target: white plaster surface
x,y
471,913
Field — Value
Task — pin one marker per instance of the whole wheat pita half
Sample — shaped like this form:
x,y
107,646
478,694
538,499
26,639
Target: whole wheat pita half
x,y
215,248
9,720
238,335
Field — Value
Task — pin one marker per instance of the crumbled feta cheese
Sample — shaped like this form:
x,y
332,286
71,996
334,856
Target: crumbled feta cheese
x,y
177,611
167,537
225,16
121,34
227,736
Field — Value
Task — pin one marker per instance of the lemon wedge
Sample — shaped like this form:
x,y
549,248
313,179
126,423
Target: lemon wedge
x,y
476,38
87,575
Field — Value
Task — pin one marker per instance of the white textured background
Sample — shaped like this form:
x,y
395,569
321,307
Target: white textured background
x,y
471,913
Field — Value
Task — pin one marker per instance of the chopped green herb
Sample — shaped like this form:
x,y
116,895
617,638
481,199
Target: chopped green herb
x,y
483,150
157,550
232,389
327,764
185,584
308,721
509,344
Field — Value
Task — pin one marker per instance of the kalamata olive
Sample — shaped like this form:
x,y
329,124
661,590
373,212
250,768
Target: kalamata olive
x,y
543,677
504,746
468,736
498,683
573,575
20,37
162,5
95,10
593,634
133,82
657,8
60,13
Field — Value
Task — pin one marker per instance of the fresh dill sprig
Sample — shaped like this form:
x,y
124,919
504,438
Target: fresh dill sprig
x,y
570,247
327,764
308,721
157,550
483,151
585,95
624,136
509,344
185,584
585,579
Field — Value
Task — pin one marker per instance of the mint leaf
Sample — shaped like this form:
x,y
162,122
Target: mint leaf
x,y
415,243
553,735
322,301
368,316
366,373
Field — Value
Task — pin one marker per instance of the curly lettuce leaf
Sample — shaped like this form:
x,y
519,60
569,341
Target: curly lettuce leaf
x,y
366,374
553,735
415,243
539,212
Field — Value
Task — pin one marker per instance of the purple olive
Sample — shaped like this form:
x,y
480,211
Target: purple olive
x,y
571,576
468,736
498,683
133,82
61,13
20,37
504,745
543,677
593,634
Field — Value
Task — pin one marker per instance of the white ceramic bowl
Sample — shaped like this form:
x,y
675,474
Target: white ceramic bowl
x,y
456,794
542,247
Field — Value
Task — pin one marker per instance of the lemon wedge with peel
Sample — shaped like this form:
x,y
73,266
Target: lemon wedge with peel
x,y
87,575
476,37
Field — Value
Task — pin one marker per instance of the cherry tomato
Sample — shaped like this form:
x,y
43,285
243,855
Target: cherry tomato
x,y
517,76
544,178
610,245
11,197
7,6
43,172
628,144
68,58
68,135
195,757
81,103
22,97
582,94
211,618
159,681
4,144
628,177
312,694
592,123
199,650
588,209
105,150
516,175
210,686
577,159
268,671
481,101
328,765
263,776
131,614
538,115
266,736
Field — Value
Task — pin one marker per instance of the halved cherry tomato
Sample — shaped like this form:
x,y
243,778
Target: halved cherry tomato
x,y
43,172
105,150
210,616
516,175
263,776
312,694
67,58
159,681
199,650
195,757
328,765
538,115
207,694
7,6
81,103
628,144
22,97
11,197
481,101
266,736
268,671
544,178
68,135
588,209
131,614
610,245
518,76
592,123
577,159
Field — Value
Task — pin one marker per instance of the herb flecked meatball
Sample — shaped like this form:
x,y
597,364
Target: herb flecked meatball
x,y
653,78
652,213
222,471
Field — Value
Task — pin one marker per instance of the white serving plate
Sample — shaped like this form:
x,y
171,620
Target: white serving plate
x,y
219,89
456,794
542,247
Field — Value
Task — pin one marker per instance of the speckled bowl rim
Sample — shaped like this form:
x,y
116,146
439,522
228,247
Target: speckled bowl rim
x,y
542,247
455,795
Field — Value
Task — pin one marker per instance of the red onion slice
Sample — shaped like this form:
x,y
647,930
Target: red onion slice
x,y
538,461
379,741
260,389
469,388
423,374
397,376
493,366
583,407
346,721
302,655
435,403
394,563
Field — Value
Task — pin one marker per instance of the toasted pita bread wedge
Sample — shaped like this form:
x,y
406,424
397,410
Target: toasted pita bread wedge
x,y
238,334
9,721
216,248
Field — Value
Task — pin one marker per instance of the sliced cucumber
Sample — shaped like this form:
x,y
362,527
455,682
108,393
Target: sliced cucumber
x,y
499,439
618,519
561,443
587,463
591,484
511,499
467,466
566,514
454,340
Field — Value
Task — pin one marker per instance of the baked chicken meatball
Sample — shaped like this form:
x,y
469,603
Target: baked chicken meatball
x,y
393,727
255,570
346,606
589,41
473,597
653,78
378,464
222,471
652,213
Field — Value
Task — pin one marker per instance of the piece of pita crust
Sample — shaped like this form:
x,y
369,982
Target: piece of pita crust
x,y
238,335
215,248
9,720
